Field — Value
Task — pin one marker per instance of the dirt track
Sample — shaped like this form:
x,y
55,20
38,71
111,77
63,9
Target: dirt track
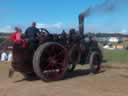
x,y
113,81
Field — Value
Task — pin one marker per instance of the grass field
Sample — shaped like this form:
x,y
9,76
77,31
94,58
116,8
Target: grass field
x,y
116,56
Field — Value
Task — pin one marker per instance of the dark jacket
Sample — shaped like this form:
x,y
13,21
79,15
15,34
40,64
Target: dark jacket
x,y
31,33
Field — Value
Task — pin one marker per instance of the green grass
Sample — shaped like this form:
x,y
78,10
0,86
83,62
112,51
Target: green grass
x,y
116,56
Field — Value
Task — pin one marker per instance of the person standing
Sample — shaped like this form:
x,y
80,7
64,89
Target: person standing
x,y
16,37
10,56
4,56
17,40
31,34
11,69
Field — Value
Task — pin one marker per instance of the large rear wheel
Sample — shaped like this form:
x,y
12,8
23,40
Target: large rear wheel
x,y
50,61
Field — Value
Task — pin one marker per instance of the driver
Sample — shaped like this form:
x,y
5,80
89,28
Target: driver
x,y
31,34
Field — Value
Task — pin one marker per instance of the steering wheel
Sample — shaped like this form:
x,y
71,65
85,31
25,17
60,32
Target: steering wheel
x,y
45,31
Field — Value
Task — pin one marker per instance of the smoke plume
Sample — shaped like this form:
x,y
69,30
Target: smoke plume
x,y
107,6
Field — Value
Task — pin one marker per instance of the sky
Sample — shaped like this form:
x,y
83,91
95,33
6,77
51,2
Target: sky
x,y
56,15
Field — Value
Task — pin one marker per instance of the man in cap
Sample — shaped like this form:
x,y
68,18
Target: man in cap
x,y
31,33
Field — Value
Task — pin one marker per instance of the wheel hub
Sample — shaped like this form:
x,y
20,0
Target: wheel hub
x,y
52,60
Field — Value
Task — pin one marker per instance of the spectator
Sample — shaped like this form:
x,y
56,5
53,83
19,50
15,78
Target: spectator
x,y
10,56
4,56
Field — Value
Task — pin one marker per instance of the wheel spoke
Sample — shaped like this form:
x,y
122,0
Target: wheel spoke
x,y
46,67
52,49
60,64
60,53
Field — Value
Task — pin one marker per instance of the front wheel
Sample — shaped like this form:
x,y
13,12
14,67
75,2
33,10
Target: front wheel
x,y
95,62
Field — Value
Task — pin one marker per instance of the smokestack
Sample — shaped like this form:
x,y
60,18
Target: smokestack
x,y
106,6
81,20
81,25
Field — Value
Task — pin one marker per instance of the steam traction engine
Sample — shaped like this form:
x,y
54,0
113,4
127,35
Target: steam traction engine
x,y
57,53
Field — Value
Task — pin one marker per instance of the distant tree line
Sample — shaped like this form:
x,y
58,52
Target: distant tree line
x,y
4,34
106,34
